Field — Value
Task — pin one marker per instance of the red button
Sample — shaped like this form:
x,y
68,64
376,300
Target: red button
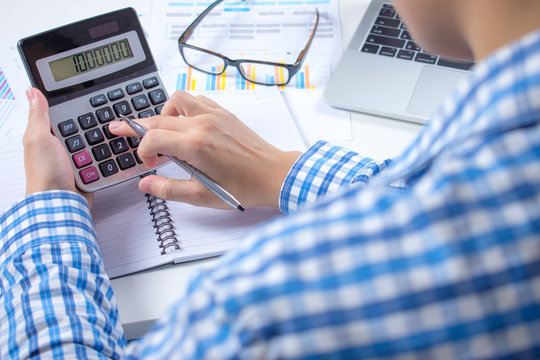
x,y
82,159
89,175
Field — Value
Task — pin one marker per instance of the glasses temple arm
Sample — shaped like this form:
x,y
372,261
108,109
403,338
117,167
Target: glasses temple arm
x,y
187,33
304,52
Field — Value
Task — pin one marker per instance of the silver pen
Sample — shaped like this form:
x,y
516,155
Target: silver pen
x,y
203,178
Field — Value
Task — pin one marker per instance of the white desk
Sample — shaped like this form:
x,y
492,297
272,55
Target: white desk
x,y
145,296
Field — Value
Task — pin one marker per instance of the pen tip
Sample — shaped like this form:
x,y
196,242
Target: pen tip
x,y
241,208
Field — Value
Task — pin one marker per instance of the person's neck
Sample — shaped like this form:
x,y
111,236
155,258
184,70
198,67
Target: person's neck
x,y
491,24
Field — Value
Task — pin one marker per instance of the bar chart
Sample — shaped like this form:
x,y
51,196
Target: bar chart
x,y
7,100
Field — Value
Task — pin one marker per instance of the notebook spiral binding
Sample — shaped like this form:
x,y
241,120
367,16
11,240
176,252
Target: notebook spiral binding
x,y
163,224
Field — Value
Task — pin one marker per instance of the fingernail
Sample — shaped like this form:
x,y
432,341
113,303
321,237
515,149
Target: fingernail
x,y
145,185
30,94
115,125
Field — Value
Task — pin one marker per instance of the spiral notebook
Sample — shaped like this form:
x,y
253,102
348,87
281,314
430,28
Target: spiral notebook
x,y
136,231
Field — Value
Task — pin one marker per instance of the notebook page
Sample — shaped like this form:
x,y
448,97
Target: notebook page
x,y
125,232
203,232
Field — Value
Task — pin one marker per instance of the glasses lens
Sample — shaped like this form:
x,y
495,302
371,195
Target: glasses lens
x,y
203,60
265,73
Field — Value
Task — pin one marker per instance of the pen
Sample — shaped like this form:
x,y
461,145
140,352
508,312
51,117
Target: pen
x,y
203,178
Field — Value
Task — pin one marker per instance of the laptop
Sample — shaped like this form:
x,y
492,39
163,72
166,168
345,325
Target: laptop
x,y
384,72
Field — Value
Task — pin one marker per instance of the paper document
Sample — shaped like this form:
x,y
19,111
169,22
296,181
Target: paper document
x,y
274,31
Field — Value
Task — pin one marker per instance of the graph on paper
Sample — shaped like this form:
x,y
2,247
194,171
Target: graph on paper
x,y
7,100
268,30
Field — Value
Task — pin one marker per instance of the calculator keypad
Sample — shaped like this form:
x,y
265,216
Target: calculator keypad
x,y
97,154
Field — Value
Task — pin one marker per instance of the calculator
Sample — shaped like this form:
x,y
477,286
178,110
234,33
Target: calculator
x,y
91,72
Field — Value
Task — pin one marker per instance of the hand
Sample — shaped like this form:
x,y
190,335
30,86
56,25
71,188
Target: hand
x,y
45,160
217,143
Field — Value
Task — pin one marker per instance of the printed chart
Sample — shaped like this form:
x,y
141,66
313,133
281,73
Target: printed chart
x,y
7,102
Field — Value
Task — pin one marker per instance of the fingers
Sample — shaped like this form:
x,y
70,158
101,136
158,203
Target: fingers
x,y
185,104
38,116
188,191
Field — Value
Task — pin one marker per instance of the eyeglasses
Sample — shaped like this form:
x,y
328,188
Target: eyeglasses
x,y
255,71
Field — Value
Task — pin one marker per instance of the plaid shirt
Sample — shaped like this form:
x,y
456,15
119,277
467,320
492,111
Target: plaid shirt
x,y
437,256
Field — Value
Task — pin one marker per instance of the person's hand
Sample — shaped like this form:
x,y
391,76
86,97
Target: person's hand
x,y
217,143
45,160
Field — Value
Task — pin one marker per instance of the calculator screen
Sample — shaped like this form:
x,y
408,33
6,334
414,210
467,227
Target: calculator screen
x,y
90,61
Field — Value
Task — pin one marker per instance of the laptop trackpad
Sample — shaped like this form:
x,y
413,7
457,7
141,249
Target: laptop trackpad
x,y
433,85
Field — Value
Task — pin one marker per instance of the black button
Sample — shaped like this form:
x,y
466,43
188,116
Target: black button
x,y
425,58
146,114
383,40
108,134
133,88
87,121
108,168
137,158
134,141
150,83
94,136
122,108
387,22
98,100
387,12
412,46
370,48
388,51
67,127
140,102
101,152
158,109
456,64
125,161
118,145
386,31
405,54
157,96
115,94
75,143
105,115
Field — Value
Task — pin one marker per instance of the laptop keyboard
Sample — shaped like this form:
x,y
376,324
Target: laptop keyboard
x,y
389,37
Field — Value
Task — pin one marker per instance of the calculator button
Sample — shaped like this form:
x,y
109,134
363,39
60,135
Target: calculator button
x,y
137,158
115,94
67,127
157,96
146,114
82,159
150,83
98,100
109,135
75,143
125,161
101,152
122,108
134,141
87,121
94,136
89,175
105,115
158,109
133,88
140,102
108,168
118,145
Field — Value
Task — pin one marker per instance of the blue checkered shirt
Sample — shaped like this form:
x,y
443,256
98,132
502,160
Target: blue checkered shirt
x,y
435,255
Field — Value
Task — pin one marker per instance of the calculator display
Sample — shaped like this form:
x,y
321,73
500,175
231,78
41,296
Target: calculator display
x,y
91,59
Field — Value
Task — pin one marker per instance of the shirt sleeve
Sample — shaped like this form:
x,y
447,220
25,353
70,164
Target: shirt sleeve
x,y
56,300
322,169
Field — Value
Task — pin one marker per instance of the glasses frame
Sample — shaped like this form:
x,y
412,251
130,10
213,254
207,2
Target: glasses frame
x,y
291,68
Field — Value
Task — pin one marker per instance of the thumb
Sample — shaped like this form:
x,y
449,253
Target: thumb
x,y
38,115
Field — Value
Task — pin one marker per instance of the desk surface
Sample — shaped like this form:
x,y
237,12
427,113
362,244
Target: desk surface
x,y
145,296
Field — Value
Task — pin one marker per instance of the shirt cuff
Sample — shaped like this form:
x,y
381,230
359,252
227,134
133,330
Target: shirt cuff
x,y
325,168
44,218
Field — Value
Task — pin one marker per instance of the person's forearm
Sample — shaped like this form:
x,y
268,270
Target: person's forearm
x,y
56,298
322,169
